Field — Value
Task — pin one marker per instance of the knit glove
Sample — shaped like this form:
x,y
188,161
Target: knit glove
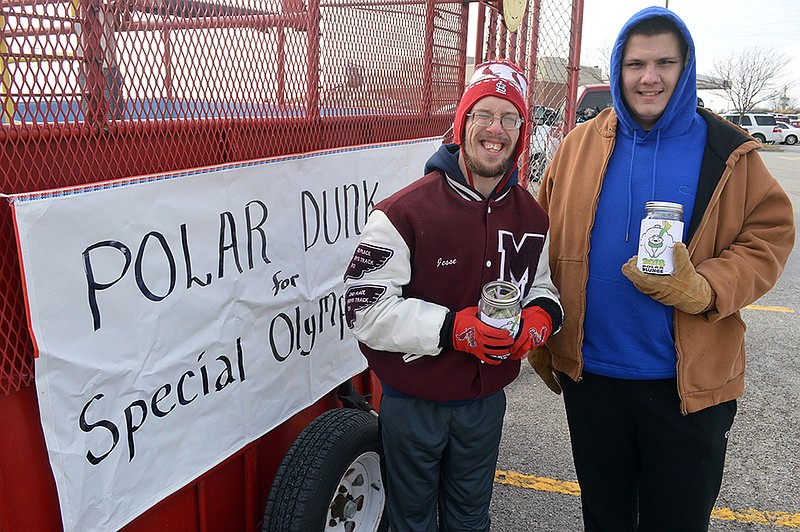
x,y
542,362
535,328
472,336
684,288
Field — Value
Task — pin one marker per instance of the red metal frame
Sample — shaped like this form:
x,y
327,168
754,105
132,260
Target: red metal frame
x,y
107,145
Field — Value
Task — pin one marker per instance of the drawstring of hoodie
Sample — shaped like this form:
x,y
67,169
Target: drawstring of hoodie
x,y
469,178
630,178
655,165
630,186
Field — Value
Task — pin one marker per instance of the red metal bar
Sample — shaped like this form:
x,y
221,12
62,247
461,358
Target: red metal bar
x,y
190,8
512,44
427,57
522,49
168,91
574,65
96,106
532,74
533,57
36,132
297,21
503,45
479,36
281,66
42,56
313,30
519,56
462,45
16,33
371,5
33,132
491,42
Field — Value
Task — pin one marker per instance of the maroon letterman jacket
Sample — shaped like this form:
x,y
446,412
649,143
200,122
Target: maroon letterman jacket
x,y
427,250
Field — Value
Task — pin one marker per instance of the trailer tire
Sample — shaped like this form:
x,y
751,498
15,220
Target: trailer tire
x,y
330,478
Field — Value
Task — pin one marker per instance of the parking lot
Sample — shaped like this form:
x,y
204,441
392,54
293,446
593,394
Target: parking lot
x,y
535,484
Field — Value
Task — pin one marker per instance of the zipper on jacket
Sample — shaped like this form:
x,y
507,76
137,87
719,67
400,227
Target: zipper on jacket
x,y
609,152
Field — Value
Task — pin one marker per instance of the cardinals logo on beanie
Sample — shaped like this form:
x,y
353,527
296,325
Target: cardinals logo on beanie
x,y
500,78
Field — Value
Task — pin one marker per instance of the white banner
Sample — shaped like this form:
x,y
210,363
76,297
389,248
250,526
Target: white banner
x,y
179,317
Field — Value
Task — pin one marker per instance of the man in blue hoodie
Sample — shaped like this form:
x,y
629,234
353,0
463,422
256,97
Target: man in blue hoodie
x,y
651,365
411,295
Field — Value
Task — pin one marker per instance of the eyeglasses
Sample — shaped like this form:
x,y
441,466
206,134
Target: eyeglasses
x,y
506,122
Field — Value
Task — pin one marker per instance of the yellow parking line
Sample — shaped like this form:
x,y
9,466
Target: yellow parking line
x,y
758,517
511,478
771,309
536,483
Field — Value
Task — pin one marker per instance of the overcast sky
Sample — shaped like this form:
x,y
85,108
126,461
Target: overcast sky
x,y
718,27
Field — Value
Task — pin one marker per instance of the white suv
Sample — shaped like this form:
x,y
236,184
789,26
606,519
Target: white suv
x,y
762,127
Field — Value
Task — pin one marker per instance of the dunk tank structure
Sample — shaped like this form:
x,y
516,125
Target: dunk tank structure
x,y
183,183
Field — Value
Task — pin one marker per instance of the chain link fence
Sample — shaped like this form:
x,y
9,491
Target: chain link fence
x,y
547,46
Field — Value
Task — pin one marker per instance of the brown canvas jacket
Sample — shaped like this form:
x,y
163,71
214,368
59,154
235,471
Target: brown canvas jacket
x,y
739,239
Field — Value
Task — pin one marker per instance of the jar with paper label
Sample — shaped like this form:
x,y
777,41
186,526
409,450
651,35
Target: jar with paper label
x,y
500,307
661,228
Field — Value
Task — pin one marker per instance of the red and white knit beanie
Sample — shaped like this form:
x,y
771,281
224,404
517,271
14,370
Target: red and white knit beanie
x,y
500,78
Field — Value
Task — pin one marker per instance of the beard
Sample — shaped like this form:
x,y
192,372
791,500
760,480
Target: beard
x,y
485,170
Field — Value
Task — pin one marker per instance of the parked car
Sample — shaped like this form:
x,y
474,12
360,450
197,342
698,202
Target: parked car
x,y
789,133
761,126
544,116
591,100
793,120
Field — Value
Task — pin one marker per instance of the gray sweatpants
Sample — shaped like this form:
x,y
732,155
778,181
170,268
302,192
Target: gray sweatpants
x,y
440,458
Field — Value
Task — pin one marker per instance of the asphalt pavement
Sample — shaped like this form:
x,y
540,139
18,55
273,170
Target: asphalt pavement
x,y
535,484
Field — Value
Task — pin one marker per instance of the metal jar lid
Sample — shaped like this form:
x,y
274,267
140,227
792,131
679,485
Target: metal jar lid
x,y
663,206
500,294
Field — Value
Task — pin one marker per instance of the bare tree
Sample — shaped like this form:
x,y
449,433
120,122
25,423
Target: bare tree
x,y
750,76
600,56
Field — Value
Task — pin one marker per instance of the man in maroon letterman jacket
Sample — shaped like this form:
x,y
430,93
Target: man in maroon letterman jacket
x,y
411,295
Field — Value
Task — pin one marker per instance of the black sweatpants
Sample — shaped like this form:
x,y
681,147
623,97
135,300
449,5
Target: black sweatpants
x,y
439,462
641,464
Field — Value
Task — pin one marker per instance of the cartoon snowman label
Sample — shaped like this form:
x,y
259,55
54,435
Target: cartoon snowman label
x,y
655,245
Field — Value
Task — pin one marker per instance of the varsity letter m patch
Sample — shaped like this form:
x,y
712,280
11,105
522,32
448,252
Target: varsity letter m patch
x,y
516,258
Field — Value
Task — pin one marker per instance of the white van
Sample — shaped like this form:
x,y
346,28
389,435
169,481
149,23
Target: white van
x,y
762,127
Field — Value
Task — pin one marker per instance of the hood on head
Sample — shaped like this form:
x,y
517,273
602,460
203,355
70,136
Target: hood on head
x,y
500,78
679,113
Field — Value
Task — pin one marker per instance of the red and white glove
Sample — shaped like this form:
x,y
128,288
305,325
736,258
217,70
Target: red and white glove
x,y
535,328
473,336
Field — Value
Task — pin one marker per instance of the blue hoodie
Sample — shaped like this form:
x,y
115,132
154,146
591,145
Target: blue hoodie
x,y
662,164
